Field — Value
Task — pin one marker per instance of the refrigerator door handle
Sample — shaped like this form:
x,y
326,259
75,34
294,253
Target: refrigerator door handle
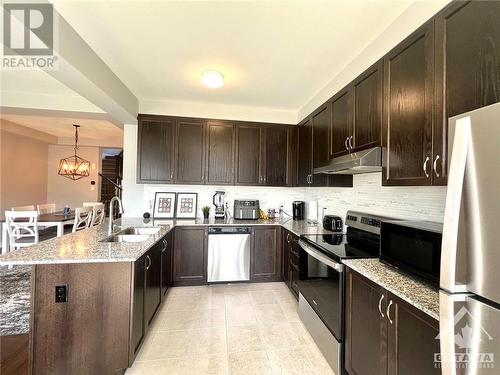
x,y
451,225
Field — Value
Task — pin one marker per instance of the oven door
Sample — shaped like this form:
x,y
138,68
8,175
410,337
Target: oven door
x,y
322,284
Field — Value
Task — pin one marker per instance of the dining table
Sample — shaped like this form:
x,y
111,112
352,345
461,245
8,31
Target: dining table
x,y
55,219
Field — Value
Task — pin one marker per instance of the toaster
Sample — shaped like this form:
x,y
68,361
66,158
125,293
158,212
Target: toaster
x,y
333,223
246,209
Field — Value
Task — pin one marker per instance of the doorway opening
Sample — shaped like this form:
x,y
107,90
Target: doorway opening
x,y
111,174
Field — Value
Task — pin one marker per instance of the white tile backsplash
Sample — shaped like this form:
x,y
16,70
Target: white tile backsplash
x,y
367,195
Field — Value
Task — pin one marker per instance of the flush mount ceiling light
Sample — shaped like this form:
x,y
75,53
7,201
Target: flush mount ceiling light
x,y
212,79
74,167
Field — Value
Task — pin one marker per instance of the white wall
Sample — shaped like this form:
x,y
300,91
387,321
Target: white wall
x,y
412,18
218,111
367,194
63,191
23,167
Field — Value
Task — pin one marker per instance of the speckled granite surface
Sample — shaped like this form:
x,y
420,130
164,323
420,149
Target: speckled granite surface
x,y
15,293
414,291
85,246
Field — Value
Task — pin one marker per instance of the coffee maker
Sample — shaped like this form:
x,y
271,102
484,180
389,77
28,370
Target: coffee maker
x,y
298,210
220,212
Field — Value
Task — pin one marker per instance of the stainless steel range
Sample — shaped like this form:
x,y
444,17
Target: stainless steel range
x,y
322,278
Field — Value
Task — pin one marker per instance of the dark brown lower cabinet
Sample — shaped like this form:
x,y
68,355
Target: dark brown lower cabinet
x,y
152,297
365,327
138,324
411,339
290,261
92,329
14,354
166,262
385,335
190,254
285,257
265,262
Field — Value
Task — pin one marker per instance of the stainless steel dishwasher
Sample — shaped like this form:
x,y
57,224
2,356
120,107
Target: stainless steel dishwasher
x,y
228,254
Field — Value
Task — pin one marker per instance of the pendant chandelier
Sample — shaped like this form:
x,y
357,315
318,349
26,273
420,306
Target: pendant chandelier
x,y
74,167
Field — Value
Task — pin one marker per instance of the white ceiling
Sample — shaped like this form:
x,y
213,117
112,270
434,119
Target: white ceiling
x,y
63,126
272,54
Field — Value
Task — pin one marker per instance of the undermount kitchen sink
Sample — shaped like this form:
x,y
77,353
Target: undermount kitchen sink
x,y
126,238
132,234
139,231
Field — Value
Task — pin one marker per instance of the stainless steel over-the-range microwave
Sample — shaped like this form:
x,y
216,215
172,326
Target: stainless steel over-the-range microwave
x,y
414,246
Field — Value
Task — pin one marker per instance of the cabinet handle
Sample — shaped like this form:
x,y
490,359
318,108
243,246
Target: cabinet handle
x,y
164,246
388,311
172,175
345,143
315,303
350,142
435,166
288,237
294,283
380,306
149,262
294,253
425,167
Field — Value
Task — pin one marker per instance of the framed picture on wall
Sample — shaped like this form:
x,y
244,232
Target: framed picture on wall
x,y
164,206
187,205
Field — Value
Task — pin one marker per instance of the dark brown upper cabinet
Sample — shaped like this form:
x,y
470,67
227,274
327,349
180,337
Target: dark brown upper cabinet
x,y
408,109
220,153
341,123
276,155
305,152
249,160
367,105
467,67
313,137
321,121
292,161
190,149
155,151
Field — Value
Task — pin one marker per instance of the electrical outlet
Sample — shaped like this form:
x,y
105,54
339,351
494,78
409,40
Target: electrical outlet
x,y
61,293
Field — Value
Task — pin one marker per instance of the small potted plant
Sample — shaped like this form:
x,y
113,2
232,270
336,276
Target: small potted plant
x,y
206,212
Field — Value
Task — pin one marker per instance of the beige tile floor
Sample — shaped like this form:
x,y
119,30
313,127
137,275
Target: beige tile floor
x,y
229,329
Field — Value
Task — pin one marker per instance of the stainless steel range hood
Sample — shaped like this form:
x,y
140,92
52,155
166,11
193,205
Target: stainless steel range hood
x,y
366,161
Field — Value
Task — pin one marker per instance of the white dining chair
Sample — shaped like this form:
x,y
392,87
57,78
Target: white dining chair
x,y
30,207
83,218
22,227
48,208
98,212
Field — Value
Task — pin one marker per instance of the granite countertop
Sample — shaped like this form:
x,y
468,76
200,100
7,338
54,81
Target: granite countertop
x,y
85,246
15,304
416,292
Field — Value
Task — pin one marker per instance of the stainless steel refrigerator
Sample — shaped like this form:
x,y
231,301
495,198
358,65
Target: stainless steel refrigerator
x,y
470,259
